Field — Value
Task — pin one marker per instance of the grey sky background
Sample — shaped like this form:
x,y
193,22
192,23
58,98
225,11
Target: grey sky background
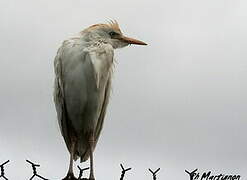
x,y
178,103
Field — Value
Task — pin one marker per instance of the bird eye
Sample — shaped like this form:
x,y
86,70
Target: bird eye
x,y
112,33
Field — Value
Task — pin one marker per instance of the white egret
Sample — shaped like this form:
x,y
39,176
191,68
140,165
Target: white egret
x,y
83,68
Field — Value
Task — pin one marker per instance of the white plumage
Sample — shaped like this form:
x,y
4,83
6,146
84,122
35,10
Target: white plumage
x,y
83,68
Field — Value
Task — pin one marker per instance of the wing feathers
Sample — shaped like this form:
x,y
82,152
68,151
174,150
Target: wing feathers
x,y
60,100
72,121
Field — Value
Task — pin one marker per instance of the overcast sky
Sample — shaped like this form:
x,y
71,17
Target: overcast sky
x,y
178,103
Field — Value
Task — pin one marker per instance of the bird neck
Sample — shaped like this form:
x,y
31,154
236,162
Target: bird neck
x,y
91,37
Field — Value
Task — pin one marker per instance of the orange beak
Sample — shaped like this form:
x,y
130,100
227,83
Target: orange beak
x,y
132,41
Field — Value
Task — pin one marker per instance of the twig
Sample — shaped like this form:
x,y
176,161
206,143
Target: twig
x,y
191,174
34,170
123,171
81,173
2,170
154,173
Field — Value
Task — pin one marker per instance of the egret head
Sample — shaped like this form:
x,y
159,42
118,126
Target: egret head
x,y
110,33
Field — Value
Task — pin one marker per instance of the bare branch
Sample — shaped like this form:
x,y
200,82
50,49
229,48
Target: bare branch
x,y
2,170
35,171
123,171
154,173
80,177
81,173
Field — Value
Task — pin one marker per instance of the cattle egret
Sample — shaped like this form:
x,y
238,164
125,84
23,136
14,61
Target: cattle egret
x,y
83,69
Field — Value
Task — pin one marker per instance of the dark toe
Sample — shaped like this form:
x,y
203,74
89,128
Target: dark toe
x,y
70,176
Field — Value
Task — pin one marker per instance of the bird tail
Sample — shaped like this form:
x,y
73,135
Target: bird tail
x,y
82,149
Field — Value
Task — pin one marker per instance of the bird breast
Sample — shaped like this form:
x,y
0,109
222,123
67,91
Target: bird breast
x,y
102,59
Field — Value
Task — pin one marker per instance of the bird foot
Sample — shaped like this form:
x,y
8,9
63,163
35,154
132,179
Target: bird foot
x,y
70,176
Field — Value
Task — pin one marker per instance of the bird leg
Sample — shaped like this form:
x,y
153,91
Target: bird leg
x,y
71,158
70,174
91,144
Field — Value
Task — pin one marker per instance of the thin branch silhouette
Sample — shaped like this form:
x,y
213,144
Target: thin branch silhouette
x,y
191,174
2,170
81,173
35,171
123,171
154,173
